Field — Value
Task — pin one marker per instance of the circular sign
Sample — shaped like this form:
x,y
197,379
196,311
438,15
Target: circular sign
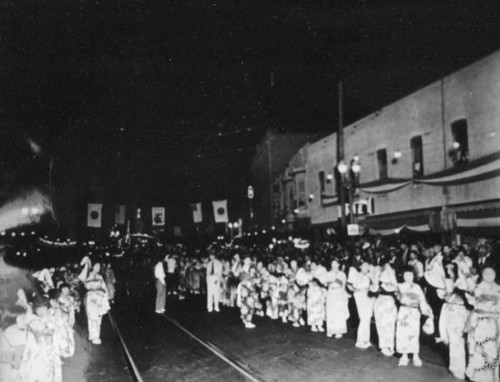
x,y
221,211
250,192
94,215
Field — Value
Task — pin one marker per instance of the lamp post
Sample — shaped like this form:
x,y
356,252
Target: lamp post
x,y
349,177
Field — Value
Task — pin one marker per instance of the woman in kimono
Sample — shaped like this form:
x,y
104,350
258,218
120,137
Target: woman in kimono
x,y
385,309
484,332
46,362
316,296
248,298
96,303
224,283
110,278
234,279
413,304
453,318
64,334
297,296
17,346
337,300
273,294
359,282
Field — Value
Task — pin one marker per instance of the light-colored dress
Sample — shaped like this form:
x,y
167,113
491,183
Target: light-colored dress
x,y
364,304
413,305
385,309
452,322
337,300
46,362
96,303
316,297
484,334
248,299
17,348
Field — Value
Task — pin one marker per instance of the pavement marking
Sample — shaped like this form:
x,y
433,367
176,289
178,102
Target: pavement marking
x,y
130,362
219,353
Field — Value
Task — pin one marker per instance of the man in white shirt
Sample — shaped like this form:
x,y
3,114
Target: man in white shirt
x,y
171,276
161,287
214,275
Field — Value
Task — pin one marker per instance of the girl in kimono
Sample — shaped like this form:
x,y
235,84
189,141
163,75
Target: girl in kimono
x,y
453,319
64,335
96,303
413,303
484,332
248,298
385,309
67,304
283,297
17,346
110,278
359,282
316,296
224,283
273,293
234,279
337,299
46,362
297,297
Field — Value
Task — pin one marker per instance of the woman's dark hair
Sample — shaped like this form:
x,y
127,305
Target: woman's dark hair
x,y
39,302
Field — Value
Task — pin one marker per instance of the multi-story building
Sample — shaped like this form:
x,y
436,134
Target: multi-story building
x,y
429,162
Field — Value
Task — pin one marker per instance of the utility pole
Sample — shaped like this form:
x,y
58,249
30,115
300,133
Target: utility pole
x,y
340,158
269,160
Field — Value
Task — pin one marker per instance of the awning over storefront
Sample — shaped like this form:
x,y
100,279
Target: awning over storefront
x,y
486,219
391,224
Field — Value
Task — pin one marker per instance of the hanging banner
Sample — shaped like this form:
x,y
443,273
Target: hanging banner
x,y
220,211
197,215
158,216
120,215
94,215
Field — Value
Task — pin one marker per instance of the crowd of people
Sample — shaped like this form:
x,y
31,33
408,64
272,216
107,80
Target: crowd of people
x,y
448,291
37,326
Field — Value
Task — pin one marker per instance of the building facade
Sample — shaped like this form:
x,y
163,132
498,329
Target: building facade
x,y
429,162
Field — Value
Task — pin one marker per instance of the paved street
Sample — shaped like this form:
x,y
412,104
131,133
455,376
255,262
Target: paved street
x,y
271,352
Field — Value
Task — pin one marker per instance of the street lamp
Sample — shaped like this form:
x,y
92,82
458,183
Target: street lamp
x,y
349,176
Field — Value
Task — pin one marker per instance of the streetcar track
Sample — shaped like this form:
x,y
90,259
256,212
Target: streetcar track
x,y
226,357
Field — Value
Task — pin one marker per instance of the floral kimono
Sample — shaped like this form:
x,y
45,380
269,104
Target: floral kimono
x,y
17,348
484,334
452,323
413,303
385,310
46,362
283,298
272,301
68,306
316,297
248,300
337,300
64,335
96,304
297,290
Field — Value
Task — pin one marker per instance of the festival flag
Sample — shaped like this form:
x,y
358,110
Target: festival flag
x,y
197,216
220,211
120,215
158,216
94,215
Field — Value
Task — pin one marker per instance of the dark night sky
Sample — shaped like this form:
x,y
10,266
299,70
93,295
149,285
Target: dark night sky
x,y
154,101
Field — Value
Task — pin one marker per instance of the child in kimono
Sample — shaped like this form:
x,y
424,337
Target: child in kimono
x,y
484,332
413,304
316,297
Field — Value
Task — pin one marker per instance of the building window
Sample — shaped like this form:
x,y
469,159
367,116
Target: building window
x,y
301,192
382,163
460,151
321,176
417,155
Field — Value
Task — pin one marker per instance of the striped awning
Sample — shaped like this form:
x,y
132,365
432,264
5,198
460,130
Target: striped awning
x,y
391,224
479,219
